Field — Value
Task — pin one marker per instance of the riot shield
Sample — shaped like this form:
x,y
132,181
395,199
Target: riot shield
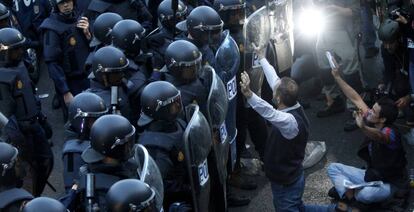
x,y
281,34
228,55
197,146
256,30
149,173
228,60
217,106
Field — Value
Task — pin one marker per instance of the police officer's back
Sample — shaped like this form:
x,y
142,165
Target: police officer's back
x,y
101,31
83,112
12,198
111,82
27,127
112,141
159,39
204,28
184,66
128,9
163,137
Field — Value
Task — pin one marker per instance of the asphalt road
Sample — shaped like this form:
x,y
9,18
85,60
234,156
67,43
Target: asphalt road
x,y
341,147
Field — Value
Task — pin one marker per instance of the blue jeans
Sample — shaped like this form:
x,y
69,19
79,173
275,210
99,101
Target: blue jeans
x,y
289,198
367,27
338,173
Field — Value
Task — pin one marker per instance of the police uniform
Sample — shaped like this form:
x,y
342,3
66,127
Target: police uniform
x,y
158,41
65,50
128,9
13,199
166,145
25,128
105,176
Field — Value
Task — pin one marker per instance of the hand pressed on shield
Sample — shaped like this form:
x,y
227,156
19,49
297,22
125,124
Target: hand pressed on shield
x,y
245,85
260,52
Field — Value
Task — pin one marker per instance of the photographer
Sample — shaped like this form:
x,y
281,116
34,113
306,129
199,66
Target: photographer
x,y
382,150
395,56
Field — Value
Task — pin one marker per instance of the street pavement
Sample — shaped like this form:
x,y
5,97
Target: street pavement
x,y
341,147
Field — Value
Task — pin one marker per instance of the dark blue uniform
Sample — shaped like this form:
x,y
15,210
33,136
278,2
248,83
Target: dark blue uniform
x,y
128,9
26,126
65,51
158,43
30,15
164,142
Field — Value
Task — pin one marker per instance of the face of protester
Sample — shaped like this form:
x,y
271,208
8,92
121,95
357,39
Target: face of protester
x,y
276,96
373,115
391,47
66,7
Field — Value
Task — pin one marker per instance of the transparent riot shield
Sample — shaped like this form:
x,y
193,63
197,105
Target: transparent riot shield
x,y
197,147
256,30
281,32
149,173
228,60
228,55
217,106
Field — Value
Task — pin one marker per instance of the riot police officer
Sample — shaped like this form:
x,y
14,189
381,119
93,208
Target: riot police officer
x,y
184,66
83,112
44,204
128,9
204,28
112,140
27,127
159,39
65,50
102,28
130,195
12,198
114,83
101,31
163,137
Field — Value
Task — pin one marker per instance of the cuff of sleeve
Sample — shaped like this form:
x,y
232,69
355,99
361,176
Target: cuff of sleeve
x,y
252,100
264,62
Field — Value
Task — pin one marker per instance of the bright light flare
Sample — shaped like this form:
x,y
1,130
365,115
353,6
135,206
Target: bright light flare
x,y
311,21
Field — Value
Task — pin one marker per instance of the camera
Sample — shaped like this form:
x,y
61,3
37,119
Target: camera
x,y
393,14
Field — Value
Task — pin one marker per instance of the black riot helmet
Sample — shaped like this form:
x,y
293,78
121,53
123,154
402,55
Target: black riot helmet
x,y
183,60
102,28
160,101
44,204
127,36
232,12
8,158
111,136
84,109
108,65
130,195
11,46
4,12
166,14
204,25
389,31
